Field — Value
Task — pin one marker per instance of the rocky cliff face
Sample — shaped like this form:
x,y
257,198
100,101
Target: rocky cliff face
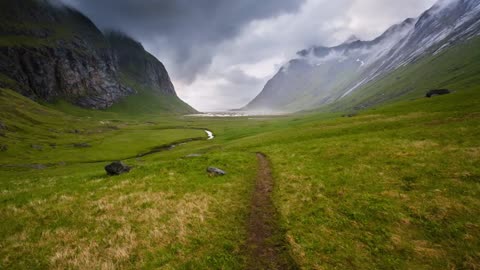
x,y
136,63
323,75
53,52
50,73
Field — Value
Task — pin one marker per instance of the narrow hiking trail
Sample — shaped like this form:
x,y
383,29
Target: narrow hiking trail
x,y
266,246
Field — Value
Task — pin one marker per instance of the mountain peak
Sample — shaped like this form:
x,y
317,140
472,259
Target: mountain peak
x,y
341,70
466,5
351,39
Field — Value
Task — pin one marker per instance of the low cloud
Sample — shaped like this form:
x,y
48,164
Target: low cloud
x,y
183,31
220,53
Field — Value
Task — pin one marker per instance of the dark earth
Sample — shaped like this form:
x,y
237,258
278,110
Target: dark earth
x,y
266,246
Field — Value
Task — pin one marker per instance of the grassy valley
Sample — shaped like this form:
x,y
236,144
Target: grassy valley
x,y
394,187
384,178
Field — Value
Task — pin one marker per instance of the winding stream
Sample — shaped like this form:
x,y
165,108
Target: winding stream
x,y
209,134
171,146
154,150
165,147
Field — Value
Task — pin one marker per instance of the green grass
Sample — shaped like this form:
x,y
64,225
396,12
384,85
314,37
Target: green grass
x,y
394,187
147,102
390,189
166,213
457,68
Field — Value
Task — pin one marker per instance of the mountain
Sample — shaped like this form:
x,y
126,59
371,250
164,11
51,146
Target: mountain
x,y
138,64
139,70
326,75
51,52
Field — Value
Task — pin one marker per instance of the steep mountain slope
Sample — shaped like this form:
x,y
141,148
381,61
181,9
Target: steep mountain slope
x,y
324,75
141,71
138,64
50,52
457,68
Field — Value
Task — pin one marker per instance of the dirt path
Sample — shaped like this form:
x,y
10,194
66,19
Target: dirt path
x,y
266,245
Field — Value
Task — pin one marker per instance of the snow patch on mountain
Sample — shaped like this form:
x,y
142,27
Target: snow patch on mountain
x,y
327,74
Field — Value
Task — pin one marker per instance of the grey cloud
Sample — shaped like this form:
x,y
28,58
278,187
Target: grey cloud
x,y
238,76
220,53
223,90
188,30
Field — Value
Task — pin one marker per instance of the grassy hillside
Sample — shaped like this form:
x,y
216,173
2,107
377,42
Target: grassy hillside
x,y
38,134
457,68
395,187
149,102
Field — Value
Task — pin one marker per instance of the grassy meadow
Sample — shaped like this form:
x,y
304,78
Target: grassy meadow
x,y
394,187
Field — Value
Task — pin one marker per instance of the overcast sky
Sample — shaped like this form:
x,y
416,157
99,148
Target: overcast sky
x,y
220,53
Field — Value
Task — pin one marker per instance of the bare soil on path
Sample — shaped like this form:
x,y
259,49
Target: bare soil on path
x,y
266,245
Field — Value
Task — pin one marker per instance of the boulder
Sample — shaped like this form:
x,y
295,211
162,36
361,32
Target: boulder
x,y
3,147
215,171
437,92
117,168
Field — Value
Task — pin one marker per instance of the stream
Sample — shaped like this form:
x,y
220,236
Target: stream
x,y
209,134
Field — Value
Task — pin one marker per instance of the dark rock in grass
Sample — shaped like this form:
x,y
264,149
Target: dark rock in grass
x,y
82,145
215,171
36,147
3,147
350,115
437,92
2,126
117,168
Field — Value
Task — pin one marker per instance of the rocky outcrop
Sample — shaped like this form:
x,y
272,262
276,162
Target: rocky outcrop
x,y
51,52
52,73
135,62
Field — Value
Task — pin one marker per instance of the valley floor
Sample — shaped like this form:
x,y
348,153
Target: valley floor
x,y
396,187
